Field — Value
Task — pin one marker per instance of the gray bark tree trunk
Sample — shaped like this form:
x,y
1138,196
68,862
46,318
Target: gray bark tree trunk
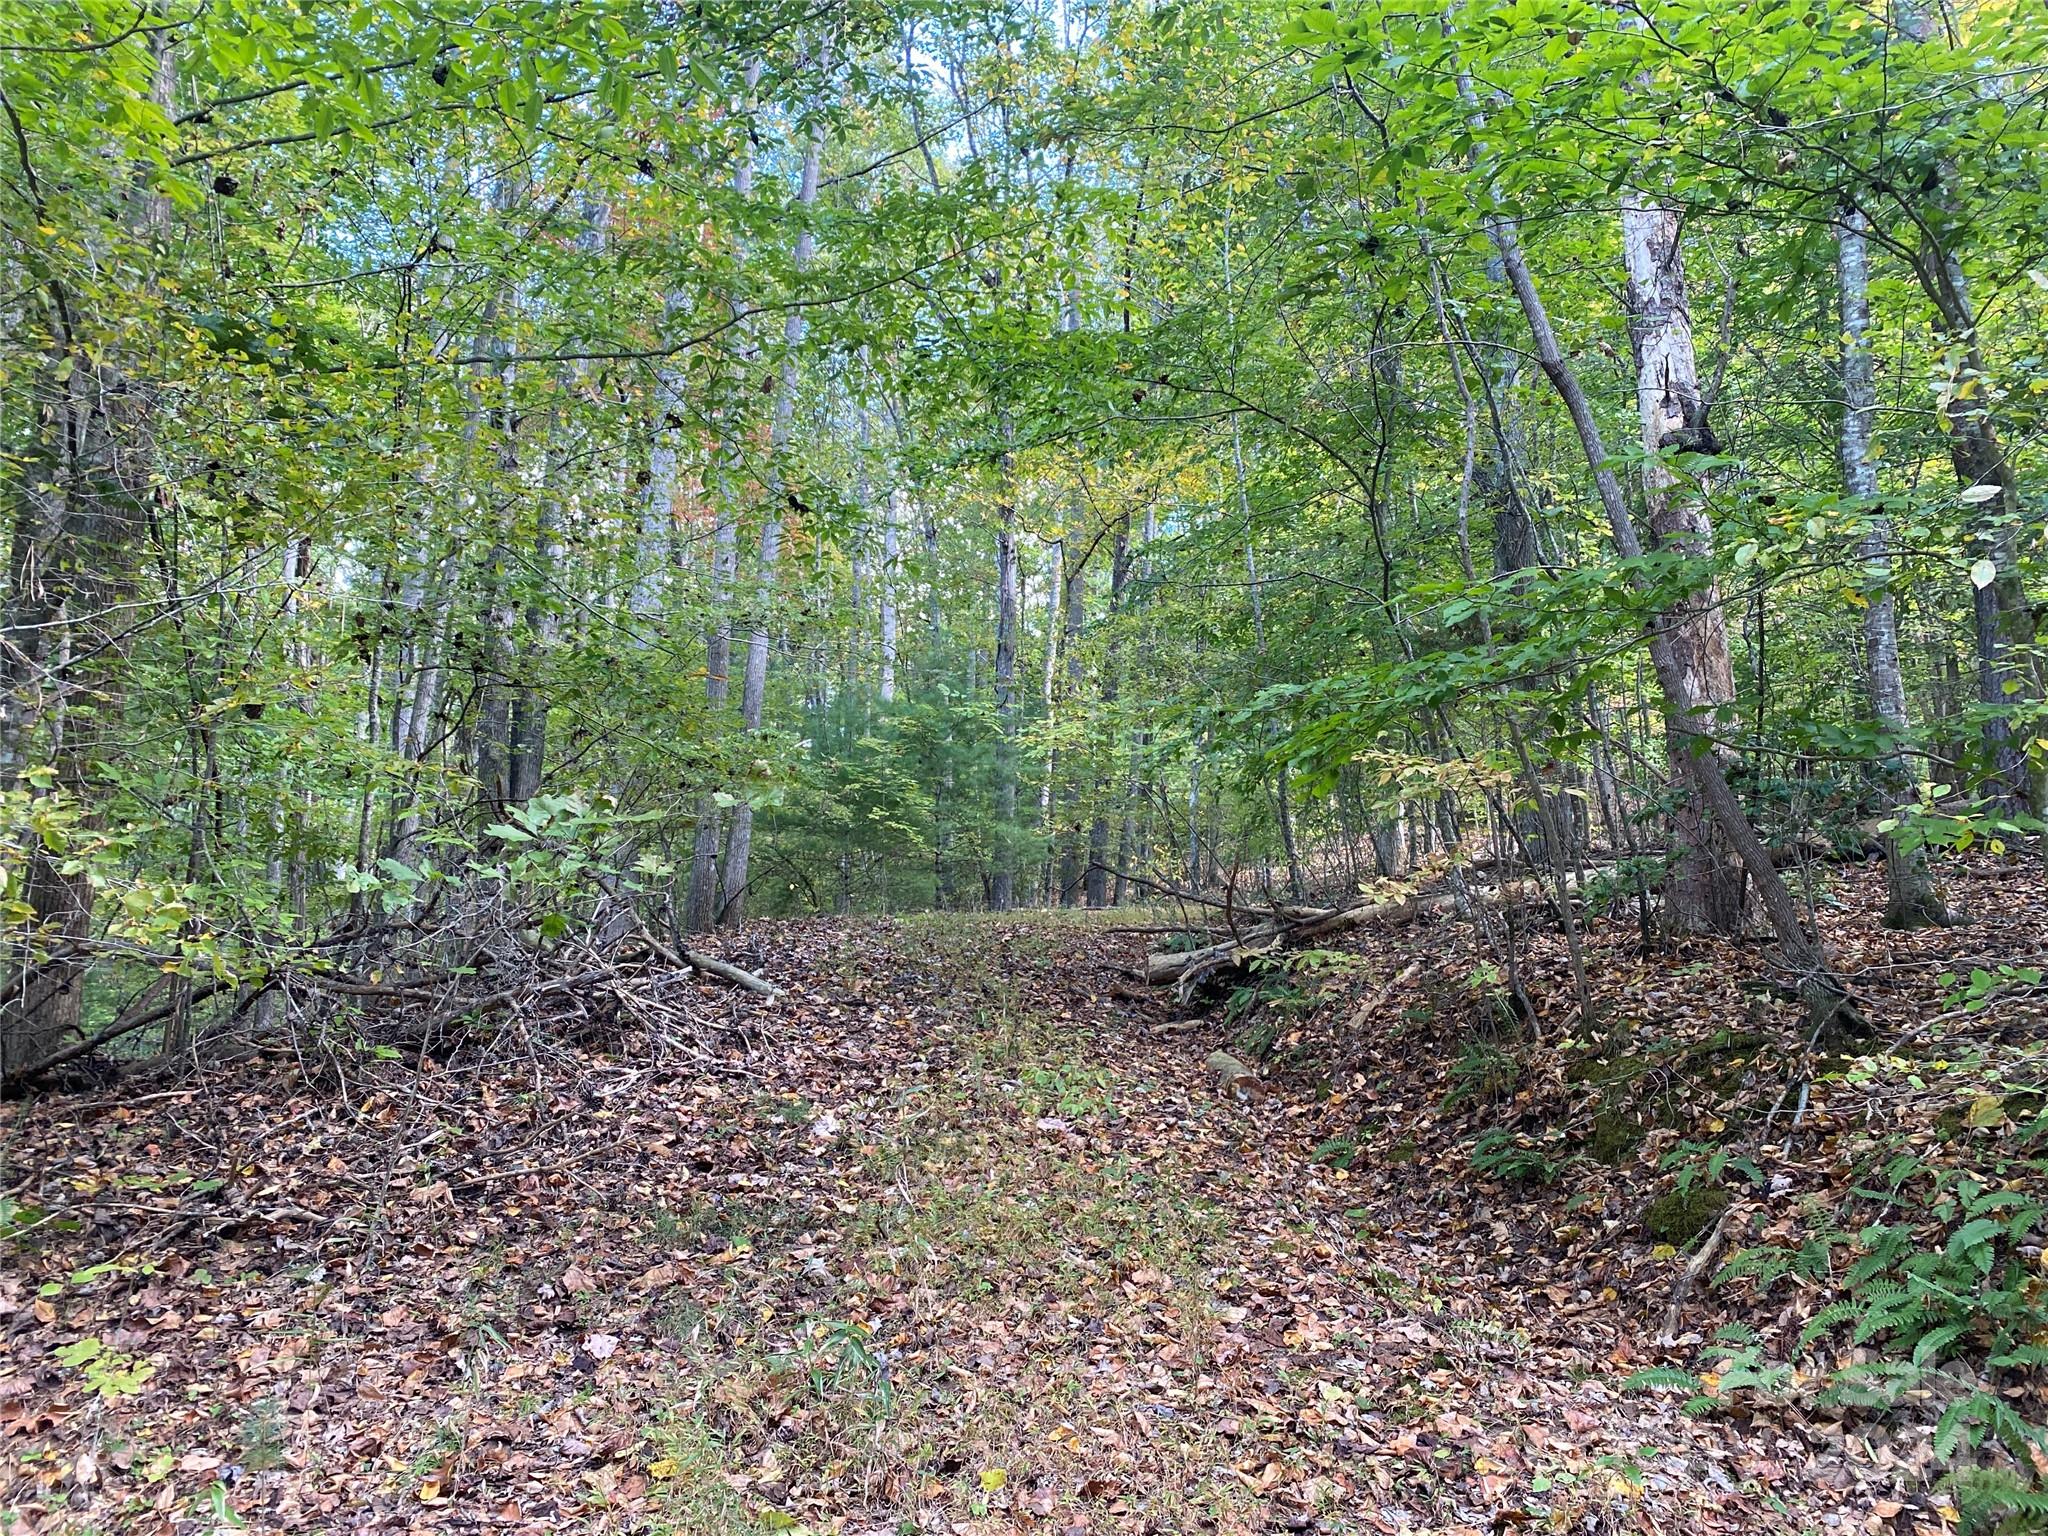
x,y
892,525
1283,805
1096,882
1074,603
754,680
700,898
1912,901
1048,834
1815,981
2003,619
1002,880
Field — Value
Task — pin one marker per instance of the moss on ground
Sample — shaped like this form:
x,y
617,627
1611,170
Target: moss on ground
x,y
1682,1215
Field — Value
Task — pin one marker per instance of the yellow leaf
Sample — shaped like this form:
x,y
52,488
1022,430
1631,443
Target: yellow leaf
x,y
993,1478
1986,1110
665,1468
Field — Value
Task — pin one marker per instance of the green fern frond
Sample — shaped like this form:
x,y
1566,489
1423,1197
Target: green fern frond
x,y
1662,1378
1988,1496
1935,1341
1827,1317
1958,1427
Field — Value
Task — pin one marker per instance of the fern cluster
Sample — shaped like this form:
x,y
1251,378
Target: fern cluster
x,y
1937,1299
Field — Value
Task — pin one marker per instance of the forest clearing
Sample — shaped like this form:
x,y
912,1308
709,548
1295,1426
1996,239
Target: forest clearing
x,y
913,766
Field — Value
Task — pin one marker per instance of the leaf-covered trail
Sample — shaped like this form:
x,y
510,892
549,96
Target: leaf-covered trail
x,y
1239,1342
958,1235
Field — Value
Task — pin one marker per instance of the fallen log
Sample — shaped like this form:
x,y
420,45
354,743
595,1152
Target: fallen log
x,y
710,965
64,1056
1167,966
1291,926
1698,1265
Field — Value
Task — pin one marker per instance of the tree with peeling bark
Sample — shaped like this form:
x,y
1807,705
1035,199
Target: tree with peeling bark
x,y
1705,892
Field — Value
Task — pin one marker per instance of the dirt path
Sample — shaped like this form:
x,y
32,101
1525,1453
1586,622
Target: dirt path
x,y
1159,1297
951,1239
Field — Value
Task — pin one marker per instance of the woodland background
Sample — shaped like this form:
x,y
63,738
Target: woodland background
x,y
505,499
792,459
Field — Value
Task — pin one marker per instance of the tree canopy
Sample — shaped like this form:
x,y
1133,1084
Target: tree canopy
x,y
641,464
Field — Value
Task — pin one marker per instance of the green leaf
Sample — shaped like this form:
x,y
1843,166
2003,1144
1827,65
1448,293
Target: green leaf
x,y
1973,1240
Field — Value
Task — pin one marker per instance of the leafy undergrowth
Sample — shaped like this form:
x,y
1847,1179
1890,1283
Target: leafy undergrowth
x,y
958,1235
1873,1292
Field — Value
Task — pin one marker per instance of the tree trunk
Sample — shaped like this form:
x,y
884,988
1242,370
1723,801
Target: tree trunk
x,y
529,701
700,893
754,680
892,524
1048,833
1002,881
1815,982
658,504
82,504
1283,805
1499,476
2002,617
1912,901
1705,891
493,744
1073,867
413,727
543,618
1096,881
491,756
700,910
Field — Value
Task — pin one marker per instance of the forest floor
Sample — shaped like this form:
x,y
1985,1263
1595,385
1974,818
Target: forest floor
x,y
957,1235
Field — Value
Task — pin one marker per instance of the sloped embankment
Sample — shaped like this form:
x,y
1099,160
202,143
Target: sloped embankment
x,y
954,1235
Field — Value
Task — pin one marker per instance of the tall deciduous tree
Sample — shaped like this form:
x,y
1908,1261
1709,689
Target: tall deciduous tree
x,y
1705,891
